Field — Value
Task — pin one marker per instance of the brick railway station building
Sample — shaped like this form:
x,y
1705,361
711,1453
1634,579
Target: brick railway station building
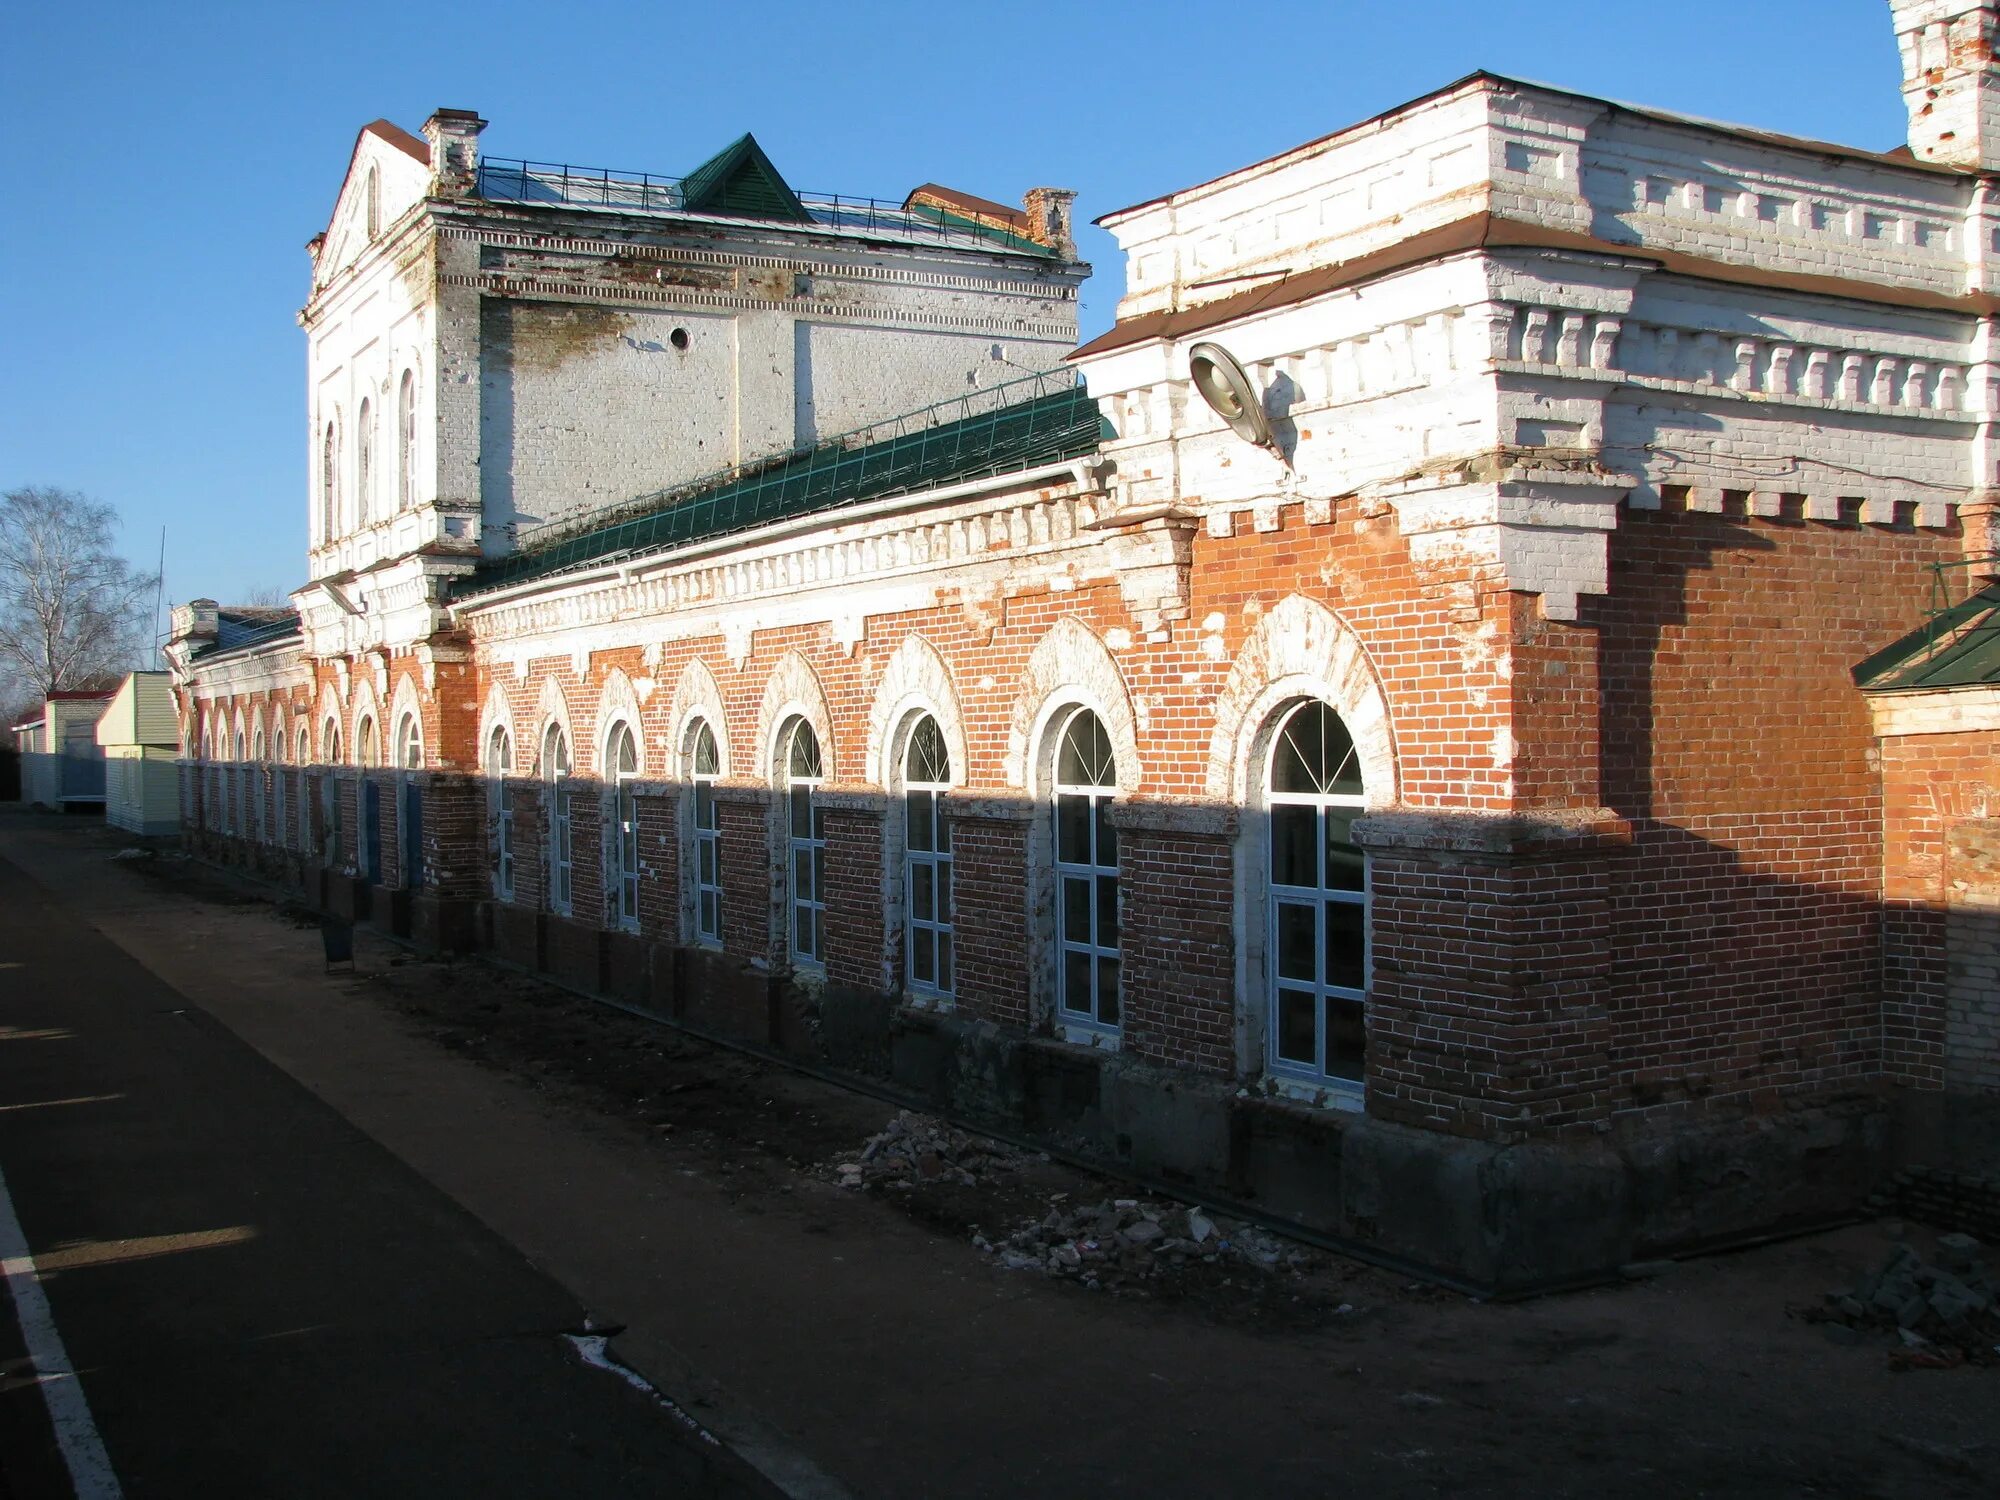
x,y
1430,727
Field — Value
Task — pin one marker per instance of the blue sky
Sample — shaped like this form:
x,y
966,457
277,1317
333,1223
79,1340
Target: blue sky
x,y
166,165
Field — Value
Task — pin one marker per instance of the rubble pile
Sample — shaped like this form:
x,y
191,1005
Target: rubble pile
x,y
1944,1313
916,1149
1119,1242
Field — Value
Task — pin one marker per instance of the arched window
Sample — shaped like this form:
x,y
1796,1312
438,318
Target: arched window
x,y
406,441
364,464
329,792
374,203
239,788
926,861
257,774
409,743
407,754
704,765
555,770
1086,866
281,825
329,485
801,771
621,761
1316,937
304,759
500,799
368,797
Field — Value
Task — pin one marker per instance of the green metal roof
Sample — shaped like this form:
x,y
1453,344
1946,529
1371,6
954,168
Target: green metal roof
x,y
1956,647
1050,426
740,180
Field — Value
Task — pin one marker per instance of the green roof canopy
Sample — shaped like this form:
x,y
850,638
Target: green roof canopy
x,y
1050,427
1957,647
739,180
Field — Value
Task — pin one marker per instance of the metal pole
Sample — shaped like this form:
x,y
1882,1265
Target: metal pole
x,y
160,594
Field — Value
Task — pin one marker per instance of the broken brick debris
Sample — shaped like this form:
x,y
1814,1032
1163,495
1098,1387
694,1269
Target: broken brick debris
x,y
1943,1311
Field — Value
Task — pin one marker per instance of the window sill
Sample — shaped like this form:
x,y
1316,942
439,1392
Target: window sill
x,y
1316,1093
1095,1038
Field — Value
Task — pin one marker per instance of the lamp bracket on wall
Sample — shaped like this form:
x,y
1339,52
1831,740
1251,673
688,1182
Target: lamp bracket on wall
x,y
1225,385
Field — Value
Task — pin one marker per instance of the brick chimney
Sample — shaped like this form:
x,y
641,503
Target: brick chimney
x,y
1951,85
1048,211
454,138
195,621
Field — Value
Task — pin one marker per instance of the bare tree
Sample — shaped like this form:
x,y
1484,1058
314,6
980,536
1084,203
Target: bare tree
x,y
71,610
269,596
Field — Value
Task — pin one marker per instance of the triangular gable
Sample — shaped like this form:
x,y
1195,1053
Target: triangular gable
x,y
740,181
401,165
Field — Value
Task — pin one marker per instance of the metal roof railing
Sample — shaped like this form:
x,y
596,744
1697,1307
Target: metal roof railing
x,y
1040,419
515,180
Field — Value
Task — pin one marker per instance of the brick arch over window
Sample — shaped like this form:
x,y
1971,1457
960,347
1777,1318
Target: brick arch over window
x,y
915,677
794,688
406,700
698,696
617,704
551,708
330,710
497,713
1071,667
365,706
1301,649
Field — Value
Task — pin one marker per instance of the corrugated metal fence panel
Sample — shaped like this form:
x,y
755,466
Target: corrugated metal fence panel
x,y
157,724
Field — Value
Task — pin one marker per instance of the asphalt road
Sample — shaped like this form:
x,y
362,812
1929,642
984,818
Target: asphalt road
x,y
258,1299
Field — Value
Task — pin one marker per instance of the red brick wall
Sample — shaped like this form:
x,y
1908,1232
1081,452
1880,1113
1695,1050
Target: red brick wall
x,y
1746,920
989,859
861,948
1177,948
744,833
1930,783
660,866
1729,954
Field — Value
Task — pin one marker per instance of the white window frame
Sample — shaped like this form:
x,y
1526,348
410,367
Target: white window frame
x,y
705,825
500,766
1096,874
560,856
236,786
1319,897
257,775
804,842
927,861
329,791
406,441
329,482
409,756
281,823
305,803
364,463
623,864
367,830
